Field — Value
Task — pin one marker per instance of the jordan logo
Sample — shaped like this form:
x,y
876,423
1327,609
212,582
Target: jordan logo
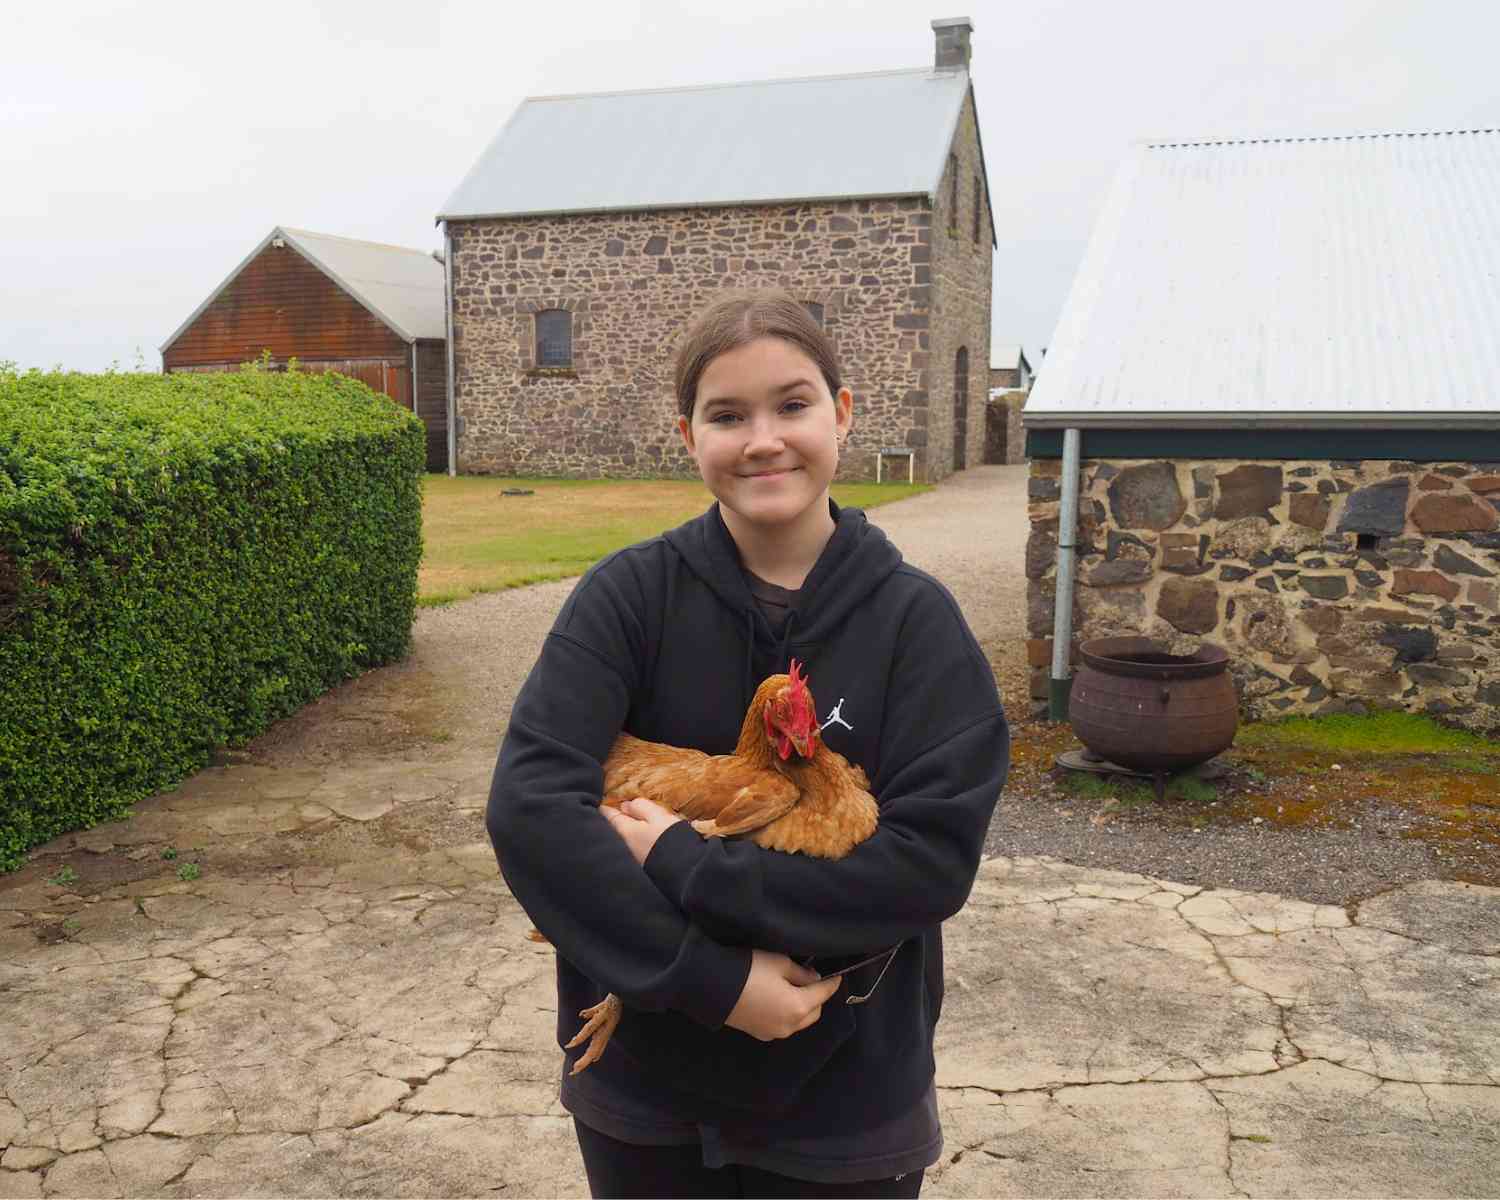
x,y
835,718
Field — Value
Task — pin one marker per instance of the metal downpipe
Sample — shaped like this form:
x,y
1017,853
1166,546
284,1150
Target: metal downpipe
x,y
1061,682
448,321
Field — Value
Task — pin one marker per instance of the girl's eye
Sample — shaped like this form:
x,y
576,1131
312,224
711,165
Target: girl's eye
x,y
794,406
723,418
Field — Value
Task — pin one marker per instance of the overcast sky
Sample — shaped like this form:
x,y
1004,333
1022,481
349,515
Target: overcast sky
x,y
145,148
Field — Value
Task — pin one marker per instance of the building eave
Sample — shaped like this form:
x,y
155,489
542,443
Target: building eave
x,y
451,218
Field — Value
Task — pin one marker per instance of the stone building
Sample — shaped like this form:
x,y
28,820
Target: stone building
x,y
595,227
1289,439
1010,370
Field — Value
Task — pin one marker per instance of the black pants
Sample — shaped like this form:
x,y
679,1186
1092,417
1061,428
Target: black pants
x,y
619,1170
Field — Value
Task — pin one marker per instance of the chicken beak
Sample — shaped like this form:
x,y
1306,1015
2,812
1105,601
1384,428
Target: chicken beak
x,y
801,744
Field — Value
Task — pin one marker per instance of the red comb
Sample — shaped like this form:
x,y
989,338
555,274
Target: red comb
x,y
798,679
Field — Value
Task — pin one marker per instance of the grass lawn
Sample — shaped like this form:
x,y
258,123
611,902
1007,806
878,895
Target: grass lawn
x,y
478,540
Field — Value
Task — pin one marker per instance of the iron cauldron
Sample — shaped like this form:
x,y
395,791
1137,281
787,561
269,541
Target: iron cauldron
x,y
1136,705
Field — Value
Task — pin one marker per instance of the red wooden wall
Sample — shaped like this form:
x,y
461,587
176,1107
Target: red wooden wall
x,y
282,303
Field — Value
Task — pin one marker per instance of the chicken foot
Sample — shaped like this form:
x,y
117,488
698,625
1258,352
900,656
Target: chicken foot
x,y
602,1020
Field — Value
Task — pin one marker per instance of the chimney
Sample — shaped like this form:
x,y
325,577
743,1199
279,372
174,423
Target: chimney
x,y
952,43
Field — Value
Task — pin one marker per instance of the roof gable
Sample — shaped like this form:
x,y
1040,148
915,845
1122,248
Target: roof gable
x,y
1296,281
1008,358
402,287
832,138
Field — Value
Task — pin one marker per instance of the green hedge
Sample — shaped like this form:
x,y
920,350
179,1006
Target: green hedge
x,y
183,560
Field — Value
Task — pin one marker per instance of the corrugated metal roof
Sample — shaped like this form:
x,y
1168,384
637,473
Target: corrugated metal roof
x,y
403,287
1287,282
885,133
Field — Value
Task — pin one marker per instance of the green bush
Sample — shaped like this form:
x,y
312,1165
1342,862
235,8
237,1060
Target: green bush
x,y
183,560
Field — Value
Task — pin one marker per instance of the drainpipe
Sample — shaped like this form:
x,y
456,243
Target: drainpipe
x,y
448,323
1061,682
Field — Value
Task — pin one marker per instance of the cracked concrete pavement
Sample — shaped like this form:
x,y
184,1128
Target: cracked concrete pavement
x,y
343,1002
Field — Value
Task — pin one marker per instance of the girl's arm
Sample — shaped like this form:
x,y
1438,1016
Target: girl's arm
x,y
572,875
944,756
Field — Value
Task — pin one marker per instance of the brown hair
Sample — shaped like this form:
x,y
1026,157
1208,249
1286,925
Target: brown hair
x,y
738,318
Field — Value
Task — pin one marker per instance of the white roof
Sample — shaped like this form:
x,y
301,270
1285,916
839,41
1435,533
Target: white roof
x,y
1296,282
403,287
886,133
1006,358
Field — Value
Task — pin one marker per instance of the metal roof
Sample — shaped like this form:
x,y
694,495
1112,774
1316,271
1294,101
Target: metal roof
x,y
1007,358
1288,282
403,287
885,133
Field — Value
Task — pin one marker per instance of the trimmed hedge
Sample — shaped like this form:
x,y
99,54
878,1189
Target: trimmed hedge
x,y
183,560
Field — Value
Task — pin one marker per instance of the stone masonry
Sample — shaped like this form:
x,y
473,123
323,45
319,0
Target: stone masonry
x,y
900,295
961,259
1335,586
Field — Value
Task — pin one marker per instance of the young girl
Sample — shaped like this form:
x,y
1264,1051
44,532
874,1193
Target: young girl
x,y
737,1071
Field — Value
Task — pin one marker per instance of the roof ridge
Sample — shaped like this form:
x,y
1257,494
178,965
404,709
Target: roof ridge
x,y
1173,143
712,87
334,237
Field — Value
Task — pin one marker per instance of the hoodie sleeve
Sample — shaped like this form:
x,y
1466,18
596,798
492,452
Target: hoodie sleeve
x,y
944,758
566,867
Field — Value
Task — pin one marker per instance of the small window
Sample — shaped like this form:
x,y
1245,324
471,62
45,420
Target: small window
x,y
554,338
978,205
815,310
952,193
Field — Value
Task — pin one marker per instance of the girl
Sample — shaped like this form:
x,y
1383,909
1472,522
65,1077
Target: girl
x,y
737,1071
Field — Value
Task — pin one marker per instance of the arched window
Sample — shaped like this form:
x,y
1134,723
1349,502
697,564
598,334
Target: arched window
x,y
554,338
815,310
961,409
953,193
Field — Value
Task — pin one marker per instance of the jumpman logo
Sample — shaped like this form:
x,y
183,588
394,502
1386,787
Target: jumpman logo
x,y
835,718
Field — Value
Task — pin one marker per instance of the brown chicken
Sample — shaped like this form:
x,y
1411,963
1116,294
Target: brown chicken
x,y
783,788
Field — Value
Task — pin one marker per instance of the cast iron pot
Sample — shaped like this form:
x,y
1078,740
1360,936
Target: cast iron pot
x,y
1137,705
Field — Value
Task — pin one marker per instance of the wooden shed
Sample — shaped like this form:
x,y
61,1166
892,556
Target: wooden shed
x,y
367,310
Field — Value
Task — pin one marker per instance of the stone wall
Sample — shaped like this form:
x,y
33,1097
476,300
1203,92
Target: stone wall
x,y
633,281
961,270
1004,435
1335,586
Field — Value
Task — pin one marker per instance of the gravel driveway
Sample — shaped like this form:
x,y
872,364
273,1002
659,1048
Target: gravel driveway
x,y
452,697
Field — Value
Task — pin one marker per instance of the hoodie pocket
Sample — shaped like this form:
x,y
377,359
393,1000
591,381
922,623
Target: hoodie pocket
x,y
732,1072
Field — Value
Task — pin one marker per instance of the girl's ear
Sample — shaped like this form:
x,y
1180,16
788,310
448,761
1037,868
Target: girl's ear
x,y
843,408
685,427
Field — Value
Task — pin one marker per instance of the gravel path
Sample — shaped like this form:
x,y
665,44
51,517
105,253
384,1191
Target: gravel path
x,y
453,694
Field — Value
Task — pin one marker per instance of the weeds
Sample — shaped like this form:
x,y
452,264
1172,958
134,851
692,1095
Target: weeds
x,y
1374,733
64,876
189,871
1131,793
1188,786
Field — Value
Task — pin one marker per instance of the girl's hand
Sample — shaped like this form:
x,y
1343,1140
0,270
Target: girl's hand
x,y
639,823
780,997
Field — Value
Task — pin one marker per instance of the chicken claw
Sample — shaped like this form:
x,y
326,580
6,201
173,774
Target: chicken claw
x,y
602,1019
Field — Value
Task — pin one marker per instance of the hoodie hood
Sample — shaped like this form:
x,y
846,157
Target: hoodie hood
x,y
856,561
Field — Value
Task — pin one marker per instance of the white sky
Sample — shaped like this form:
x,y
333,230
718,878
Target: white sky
x,y
145,148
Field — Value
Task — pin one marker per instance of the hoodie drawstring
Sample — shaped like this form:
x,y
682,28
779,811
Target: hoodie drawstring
x,y
747,689
786,642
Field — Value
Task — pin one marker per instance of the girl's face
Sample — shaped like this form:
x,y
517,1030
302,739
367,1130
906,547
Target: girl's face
x,y
765,432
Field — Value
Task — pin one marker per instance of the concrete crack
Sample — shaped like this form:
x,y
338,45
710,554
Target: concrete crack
x,y
1229,1140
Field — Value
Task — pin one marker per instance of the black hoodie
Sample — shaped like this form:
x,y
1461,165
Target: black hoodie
x,y
664,640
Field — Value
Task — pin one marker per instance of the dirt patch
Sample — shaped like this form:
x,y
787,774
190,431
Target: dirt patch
x,y
1310,826
400,711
